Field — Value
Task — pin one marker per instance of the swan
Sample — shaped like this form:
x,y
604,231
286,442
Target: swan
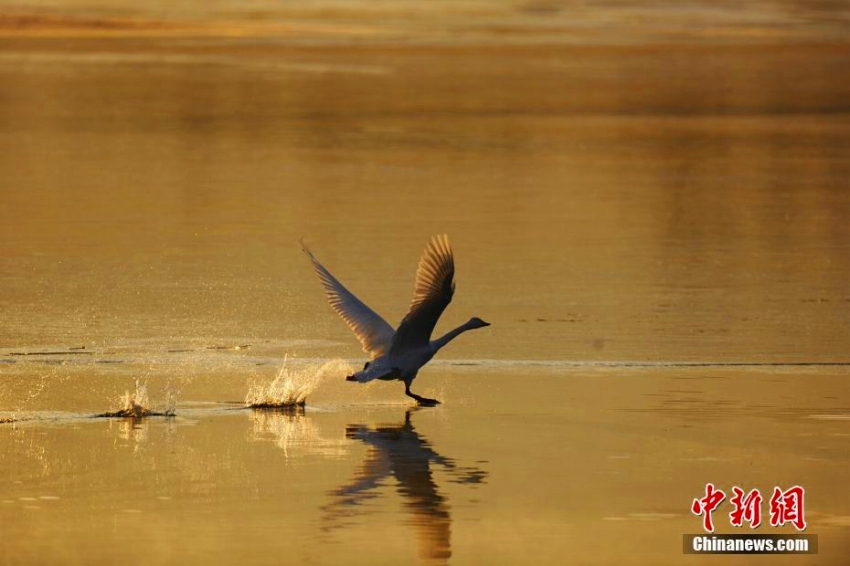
x,y
401,353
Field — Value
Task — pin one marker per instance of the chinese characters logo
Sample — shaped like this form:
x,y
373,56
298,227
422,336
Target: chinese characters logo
x,y
785,507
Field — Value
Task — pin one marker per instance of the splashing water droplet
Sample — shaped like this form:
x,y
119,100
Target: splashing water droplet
x,y
136,404
291,386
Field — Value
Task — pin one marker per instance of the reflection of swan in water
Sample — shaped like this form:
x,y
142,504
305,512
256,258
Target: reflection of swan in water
x,y
399,451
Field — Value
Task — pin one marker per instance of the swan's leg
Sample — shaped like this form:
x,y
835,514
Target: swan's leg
x,y
424,401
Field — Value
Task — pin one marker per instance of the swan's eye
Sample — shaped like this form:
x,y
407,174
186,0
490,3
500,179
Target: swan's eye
x,y
366,366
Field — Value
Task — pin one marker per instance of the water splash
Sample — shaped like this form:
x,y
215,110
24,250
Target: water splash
x,y
291,385
172,389
136,404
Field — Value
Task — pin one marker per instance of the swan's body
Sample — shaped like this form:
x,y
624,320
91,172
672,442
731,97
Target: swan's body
x,y
399,354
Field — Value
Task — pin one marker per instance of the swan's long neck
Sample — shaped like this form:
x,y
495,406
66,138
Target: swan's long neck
x,y
451,335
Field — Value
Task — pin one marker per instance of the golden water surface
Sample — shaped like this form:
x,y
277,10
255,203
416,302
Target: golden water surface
x,y
654,217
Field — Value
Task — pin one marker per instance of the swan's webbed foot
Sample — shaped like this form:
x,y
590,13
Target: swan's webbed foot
x,y
421,401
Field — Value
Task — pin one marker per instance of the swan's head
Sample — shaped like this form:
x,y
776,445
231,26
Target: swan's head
x,y
476,322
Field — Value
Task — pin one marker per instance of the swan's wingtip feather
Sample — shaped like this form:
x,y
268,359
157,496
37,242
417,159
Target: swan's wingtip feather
x,y
439,245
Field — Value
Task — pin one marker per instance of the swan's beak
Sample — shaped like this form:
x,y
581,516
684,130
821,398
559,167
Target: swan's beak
x,y
485,323
350,378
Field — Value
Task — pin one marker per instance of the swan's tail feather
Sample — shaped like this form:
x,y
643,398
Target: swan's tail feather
x,y
371,373
362,377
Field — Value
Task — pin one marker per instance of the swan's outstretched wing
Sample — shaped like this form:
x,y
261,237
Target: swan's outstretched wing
x,y
374,333
374,469
431,295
